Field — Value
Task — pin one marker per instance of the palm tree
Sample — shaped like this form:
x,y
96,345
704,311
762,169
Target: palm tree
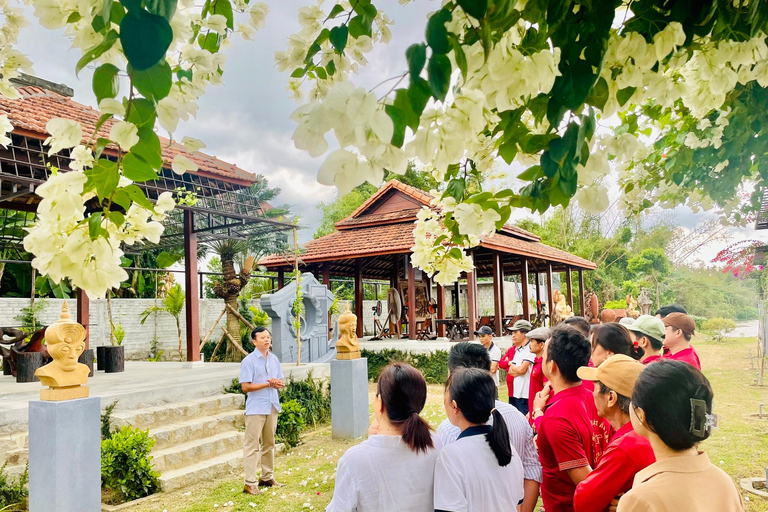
x,y
173,304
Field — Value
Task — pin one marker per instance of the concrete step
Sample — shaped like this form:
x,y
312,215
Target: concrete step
x,y
192,452
205,470
197,428
166,414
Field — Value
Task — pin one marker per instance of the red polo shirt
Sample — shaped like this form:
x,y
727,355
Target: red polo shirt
x,y
571,435
688,355
627,454
504,365
537,382
651,359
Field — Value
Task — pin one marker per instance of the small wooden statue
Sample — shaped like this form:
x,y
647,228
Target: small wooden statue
x,y
64,375
347,346
632,311
562,309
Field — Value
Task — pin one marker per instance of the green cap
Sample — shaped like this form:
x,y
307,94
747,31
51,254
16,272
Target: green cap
x,y
522,325
650,326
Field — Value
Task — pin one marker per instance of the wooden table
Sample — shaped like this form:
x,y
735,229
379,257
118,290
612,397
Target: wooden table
x,y
456,329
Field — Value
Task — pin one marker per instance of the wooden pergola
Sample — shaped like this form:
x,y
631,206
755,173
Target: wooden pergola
x,y
375,243
225,207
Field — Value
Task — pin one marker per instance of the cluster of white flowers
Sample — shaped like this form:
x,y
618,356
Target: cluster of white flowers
x,y
433,256
12,62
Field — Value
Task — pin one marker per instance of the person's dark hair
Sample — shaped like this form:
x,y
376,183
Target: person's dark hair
x,y
474,392
403,392
468,355
622,400
670,308
257,330
656,344
570,350
616,338
664,390
580,323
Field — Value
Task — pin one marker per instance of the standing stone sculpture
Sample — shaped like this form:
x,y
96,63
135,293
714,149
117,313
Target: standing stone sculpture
x,y
316,302
632,311
65,376
644,301
347,346
562,309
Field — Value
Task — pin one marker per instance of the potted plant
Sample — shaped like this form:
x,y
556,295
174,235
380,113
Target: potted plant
x,y
173,305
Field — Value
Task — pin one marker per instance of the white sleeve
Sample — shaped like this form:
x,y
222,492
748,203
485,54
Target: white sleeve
x,y
445,433
345,490
449,487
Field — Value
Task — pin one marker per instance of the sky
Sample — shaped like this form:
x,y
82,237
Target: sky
x,y
246,120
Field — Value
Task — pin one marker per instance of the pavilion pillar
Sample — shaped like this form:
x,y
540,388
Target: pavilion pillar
x,y
538,287
457,289
327,275
411,273
440,309
359,296
524,288
498,297
569,287
582,308
190,283
83,314
280,278
550,302
472,298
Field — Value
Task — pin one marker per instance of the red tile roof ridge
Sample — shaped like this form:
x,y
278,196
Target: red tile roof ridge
x,y
413,192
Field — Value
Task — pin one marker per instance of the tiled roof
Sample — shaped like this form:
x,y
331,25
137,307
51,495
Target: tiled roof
x,y
511,245
378,218
38,105
413,192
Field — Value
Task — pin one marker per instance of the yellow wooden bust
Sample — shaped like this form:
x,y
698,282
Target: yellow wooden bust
x,y
347,346
64,375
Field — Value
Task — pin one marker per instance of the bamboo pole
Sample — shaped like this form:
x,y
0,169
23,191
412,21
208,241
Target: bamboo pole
x,y
216,348
235,343
239,316
208,335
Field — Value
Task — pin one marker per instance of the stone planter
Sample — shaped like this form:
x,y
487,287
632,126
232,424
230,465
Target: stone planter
x,y
114,359
86,358
100,358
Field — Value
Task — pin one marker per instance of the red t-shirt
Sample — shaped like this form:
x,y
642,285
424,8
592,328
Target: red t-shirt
x,y
650,359
537,381
627,454
588,384
504,365
688,355
571,435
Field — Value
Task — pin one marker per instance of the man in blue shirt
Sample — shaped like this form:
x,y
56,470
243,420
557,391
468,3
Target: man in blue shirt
x,y
260,377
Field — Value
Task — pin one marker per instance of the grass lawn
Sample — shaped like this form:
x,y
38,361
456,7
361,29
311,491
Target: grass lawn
x,y
739,446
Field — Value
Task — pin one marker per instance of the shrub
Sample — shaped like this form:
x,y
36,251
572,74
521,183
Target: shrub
x,y
12,490
313,396
126,466
434,365
719,327
377,360
699,321
235,388
290,423
616,304
105,421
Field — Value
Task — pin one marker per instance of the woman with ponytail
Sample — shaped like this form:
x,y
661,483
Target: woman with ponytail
x,y
610,339
480,471
392,470
672,407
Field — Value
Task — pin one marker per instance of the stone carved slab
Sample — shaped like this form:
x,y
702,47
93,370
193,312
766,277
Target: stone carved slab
x,y
314,320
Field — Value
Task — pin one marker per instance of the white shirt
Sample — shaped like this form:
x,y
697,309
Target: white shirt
x,y
495,352
520,437
523,382
257,369
468,477
382,474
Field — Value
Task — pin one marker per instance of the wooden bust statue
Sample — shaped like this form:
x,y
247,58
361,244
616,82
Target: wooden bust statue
x,y
64,375
347,346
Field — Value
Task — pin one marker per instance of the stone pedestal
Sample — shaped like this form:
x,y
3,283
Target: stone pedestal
x,y
65,456
349,398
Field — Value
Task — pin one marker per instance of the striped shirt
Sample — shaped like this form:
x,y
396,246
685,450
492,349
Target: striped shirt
x,y
520,436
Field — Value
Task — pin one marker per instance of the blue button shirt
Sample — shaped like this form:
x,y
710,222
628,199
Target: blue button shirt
x,y
257,369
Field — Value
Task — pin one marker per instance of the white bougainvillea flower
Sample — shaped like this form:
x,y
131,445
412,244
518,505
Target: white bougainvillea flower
x,y
247,32
217,23
259,12
475,221
112,106
593,199
163,205
191,144
53,14
182,164
65,133
5,129
124,134
7,90
82,157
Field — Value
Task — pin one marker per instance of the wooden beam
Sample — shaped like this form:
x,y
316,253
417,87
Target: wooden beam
x,y
457,290
359,296
327,275
550,302
472,299
582,307
498,298
83,313
411,271
280,278
524,287
440,309
569,287
191,288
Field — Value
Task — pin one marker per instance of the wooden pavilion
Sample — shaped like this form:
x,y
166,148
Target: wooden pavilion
x,y
375,243
226,206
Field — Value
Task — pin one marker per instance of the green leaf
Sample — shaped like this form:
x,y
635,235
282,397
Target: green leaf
x,y
508,150
461,58
338,37
166,259
455,189
101,121
624,95
419,94
335,11
184,73
105,81
131,5
331,67
167,8
402,115
94,225
417,57
102,178
298,73
439,72
98,24
141,111
148,147
116,13
224,7
101,143
153,83
106,11
437,34
97,51
357,28
117,218
599,95
136,169
145,38
120,197
138,197
209,42
74,17
475,8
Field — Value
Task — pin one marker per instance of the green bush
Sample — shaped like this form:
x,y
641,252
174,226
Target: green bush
x,y
105,421
616,304
313,396
12,490
377,360
290,423
126,466
434,365
235,388
718,327
699,321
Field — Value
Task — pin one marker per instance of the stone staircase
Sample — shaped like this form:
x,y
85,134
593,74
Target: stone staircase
x,y
197,440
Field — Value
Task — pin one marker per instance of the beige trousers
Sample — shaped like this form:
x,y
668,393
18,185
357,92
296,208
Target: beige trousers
x,y
259,444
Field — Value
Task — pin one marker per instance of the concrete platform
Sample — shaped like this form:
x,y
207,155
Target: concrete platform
x,y
423,346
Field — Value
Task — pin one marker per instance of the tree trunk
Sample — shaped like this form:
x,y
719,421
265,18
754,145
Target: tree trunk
x,y
233,326
181,342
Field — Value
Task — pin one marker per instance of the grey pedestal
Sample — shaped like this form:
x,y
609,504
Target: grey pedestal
x,y
65,456
349,398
